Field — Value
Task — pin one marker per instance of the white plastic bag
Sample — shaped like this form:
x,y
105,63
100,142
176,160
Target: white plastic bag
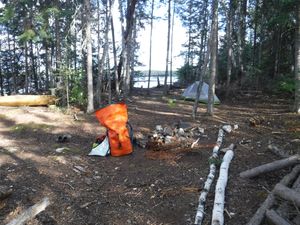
x,y
102,149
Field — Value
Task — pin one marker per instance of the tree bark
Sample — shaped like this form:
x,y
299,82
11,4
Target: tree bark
x,y
275,219
90,105
213,63
276,165
150,46
297,62
229,46
168,49
117,88
287,194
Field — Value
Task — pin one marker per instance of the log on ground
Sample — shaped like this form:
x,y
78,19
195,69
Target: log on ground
x,y
27,100
276,165
258,217
287,194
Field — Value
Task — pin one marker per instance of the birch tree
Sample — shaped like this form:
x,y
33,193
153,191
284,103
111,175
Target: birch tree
x,y
89,62
150,44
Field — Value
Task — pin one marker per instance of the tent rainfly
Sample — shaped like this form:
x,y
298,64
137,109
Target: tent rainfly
x,y
191,91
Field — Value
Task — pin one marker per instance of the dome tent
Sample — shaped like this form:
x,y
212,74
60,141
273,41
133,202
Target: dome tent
x,y
191,91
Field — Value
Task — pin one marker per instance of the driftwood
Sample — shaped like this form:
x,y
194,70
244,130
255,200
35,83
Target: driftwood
x,y
5,192
276,219
27,100
31,212
260,213
212,170
278,164
287,193
218,210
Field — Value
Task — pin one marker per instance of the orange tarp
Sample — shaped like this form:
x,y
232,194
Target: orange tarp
x,y
114,117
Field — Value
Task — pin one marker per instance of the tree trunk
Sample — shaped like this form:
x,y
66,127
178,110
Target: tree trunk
x,y
200,79
15,68
1,75
229,46
275,219
90,105
213,63
117,88
33,67
172,37
47,64
26,68
241,34
297,62
150,48
131,5
100,66
168,48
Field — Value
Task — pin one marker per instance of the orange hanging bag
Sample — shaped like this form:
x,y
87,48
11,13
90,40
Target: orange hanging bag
x,y
114,117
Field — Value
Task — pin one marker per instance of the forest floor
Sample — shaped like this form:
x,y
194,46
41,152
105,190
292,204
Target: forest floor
x,y
138,189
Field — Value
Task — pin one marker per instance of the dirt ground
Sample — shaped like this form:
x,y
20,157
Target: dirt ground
x,y
138,189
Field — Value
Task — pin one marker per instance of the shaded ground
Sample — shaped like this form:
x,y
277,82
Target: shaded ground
x,y
137,189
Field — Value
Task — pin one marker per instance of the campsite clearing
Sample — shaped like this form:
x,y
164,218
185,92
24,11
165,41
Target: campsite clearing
x,y
146,187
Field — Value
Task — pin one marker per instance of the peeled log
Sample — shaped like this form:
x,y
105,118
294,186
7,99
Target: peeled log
x,y
27,100
287,194
218,210
278,164
31,212
210,178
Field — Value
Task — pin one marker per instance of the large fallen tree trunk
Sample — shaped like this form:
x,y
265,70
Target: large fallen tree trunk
x,y
218,210
278,164
287,194
27,100
31,212
212,170
260,213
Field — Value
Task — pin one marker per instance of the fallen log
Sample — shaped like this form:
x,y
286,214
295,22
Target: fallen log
x,y
287,193
275,219
278,164
27,100
212,170
31,212
258,217
218,210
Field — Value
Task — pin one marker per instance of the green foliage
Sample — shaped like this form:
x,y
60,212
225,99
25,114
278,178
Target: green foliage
x,y
186,74
286,85
27,35
171,103
7,14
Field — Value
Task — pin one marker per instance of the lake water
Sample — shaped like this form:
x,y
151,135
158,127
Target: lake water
x,y
142,82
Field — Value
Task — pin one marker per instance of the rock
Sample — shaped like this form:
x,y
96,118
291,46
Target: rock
x,y
88,181
158,128
201,130
168,131
181,132
169,139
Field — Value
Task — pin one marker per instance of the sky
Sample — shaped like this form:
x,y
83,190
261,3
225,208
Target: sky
x,y
159,43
